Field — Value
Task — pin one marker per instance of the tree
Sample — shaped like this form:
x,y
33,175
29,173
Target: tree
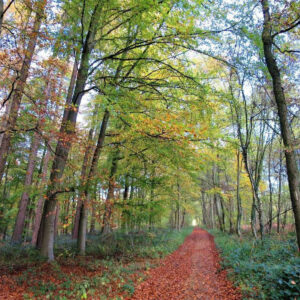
x,y
291,163
20,83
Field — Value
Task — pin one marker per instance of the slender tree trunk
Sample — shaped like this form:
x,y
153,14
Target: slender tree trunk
x,y
83,212
151,199
279,191
36,139
204,211
4,120
219,214
238,198
177,206
63,146
56,222
110,195
284,220
93,216
217,201
40,204
253,218
19,88
291,163
5,195
125,211
222,212
212,212
231,227
44,170
20,220
83,182
183,219
254,193
270,191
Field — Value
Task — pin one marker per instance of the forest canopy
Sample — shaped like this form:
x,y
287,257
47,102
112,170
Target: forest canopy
x,y
131,115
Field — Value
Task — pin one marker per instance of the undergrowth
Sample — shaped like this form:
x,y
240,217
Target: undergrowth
x,y
268,269
112,266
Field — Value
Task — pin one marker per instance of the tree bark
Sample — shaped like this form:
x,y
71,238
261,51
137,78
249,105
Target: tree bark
x,y
238,197
270,191
83,182
83,211
20,220
40,204
291,163
63,145
279,191
23,205
106,228
125,212
20,86
204,210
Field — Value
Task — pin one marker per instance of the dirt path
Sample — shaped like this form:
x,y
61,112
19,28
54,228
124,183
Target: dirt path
x,y
191,272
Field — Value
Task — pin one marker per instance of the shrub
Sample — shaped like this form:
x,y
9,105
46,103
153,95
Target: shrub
x,y
268,269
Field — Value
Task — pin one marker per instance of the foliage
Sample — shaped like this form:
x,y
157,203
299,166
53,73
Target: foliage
x,y
109,268
267,269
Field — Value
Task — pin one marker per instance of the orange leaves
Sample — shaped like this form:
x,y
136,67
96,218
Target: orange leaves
x,y
191,272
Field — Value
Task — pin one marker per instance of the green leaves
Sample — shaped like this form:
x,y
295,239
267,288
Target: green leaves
x,y
268,270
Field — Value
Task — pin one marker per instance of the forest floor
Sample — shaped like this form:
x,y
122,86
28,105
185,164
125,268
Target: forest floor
x,y
191,272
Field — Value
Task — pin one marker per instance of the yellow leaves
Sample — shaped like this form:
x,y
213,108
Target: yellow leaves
x,y
263,186
65,225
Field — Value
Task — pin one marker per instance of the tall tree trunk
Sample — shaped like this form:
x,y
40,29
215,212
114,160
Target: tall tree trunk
x,y
4,120
284,219
254,188
279,191
19,87
106,228
93,216
212,212
204,211
291,163
56,221
83,182
217,200
36,139
20,220
44,170
40,203
63,146
238,197
253,218
183,219
5,195
125,211
92,172
177,221
270,191
231,208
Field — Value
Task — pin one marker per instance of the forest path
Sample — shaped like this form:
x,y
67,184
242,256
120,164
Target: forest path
x,y
191,272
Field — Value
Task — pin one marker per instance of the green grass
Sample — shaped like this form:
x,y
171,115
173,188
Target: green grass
x,y
263,270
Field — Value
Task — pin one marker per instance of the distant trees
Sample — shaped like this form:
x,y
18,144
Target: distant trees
x,y
109,121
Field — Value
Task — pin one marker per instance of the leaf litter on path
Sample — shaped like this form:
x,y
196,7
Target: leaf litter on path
x,y
191,272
